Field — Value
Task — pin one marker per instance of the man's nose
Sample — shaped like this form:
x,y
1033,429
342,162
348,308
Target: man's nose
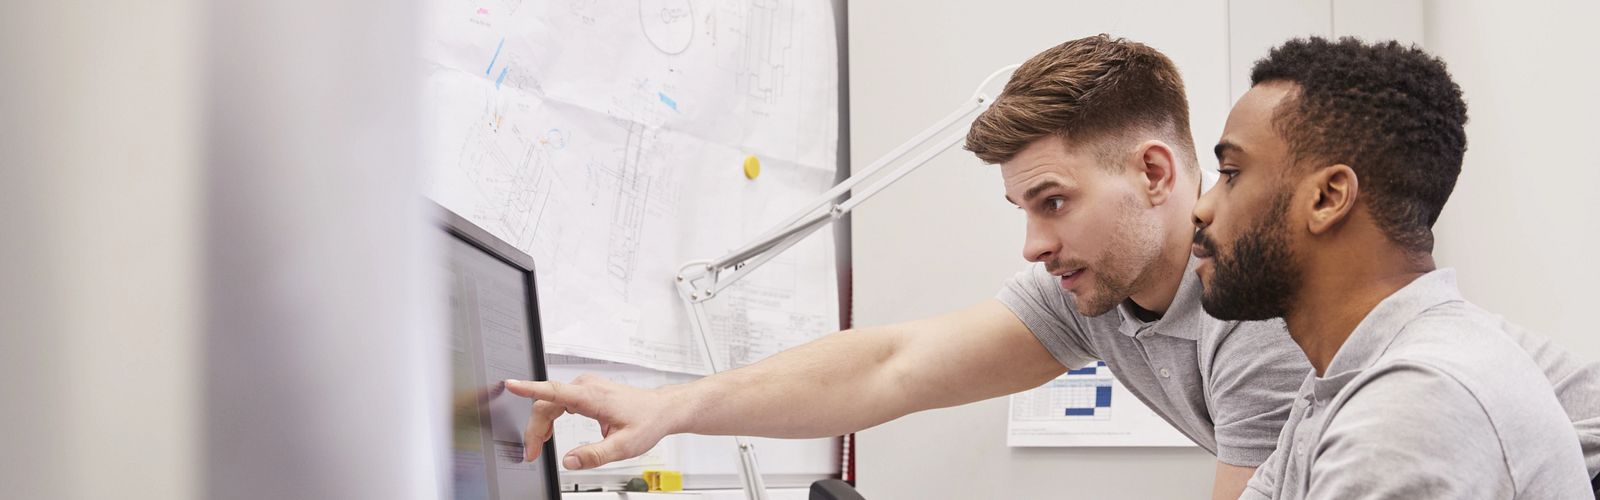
x,y
1040,245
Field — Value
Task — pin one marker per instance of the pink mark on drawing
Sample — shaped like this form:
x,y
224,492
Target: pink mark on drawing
x,y
483,11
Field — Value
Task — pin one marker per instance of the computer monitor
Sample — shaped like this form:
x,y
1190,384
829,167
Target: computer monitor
x,y
494,326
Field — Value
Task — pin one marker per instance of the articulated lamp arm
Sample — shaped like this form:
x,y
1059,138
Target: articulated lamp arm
x,y
700,280
705,278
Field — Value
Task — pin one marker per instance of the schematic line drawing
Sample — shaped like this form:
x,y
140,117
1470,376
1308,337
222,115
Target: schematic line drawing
x,y
667,24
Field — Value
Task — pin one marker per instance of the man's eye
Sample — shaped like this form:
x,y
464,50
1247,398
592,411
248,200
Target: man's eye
x,y
1055,204
1228,174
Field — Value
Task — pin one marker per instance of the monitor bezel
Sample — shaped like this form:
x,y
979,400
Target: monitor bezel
x,y
461,228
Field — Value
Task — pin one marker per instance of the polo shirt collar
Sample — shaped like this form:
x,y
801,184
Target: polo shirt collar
x,y
1372,336
1184,318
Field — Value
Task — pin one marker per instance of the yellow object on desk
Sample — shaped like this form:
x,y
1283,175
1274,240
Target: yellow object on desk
x,y
664,480
752,167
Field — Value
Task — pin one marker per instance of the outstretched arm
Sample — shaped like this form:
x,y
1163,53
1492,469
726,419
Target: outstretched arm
x,y
841,383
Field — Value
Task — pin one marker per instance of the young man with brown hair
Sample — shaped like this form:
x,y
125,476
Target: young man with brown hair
x,y
1093,141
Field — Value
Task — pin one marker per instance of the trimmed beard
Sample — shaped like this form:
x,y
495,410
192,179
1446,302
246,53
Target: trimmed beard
x,y
1255,279
1128,266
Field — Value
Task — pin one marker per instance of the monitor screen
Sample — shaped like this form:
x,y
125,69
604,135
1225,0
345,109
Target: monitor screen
x,y
494,336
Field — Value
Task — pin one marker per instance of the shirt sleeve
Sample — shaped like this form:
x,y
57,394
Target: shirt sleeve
x,y
1037,299
1255,375
1577,385
1263,484
1408,432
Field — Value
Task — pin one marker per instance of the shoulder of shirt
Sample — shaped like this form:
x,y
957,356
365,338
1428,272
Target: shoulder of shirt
x,y
1477,357
1439,393
1460,341
1453,334
1522,424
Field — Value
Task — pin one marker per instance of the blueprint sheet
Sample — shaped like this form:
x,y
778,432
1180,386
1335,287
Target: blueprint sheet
x,y
607,140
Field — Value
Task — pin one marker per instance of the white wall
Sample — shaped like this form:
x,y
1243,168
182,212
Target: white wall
x,y
215,261
1523,224
99,290
1255,26
944,237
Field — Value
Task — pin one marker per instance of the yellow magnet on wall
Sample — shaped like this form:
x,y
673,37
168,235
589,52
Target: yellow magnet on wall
x,y
752,167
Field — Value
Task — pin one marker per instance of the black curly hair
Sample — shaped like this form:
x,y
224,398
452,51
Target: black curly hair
x,y
1390,112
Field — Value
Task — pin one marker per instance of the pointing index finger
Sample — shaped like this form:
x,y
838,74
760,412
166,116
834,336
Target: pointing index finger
x,y
573,397
531,389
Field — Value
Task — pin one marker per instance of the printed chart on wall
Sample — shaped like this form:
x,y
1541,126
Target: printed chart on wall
x,y
1086,407
609,140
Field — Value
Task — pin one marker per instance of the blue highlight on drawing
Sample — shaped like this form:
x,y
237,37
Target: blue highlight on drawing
x,y
667,100
1102,396
487,71
1080,412
503,69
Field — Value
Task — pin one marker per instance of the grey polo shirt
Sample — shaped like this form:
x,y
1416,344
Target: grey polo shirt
x,y
1226,385
1429,397
1576,382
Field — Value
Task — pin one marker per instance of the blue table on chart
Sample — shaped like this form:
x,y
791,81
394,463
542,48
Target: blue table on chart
x,y
1083,393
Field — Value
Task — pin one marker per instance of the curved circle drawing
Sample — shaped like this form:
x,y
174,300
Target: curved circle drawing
x,y
554,139
667,24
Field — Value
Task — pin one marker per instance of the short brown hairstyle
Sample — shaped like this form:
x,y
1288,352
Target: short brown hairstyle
x,y
1085,90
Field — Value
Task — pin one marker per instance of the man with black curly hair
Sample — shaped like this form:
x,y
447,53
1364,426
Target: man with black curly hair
x,y
1335,166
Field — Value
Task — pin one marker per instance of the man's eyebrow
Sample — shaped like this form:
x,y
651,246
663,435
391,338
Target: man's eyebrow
x,y
1035,190
1225,147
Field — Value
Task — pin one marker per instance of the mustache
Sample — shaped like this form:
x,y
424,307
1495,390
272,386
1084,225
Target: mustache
x,y
1059,266
1204,242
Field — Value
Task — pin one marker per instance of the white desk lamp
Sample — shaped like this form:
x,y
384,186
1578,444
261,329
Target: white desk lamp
x,y
700,280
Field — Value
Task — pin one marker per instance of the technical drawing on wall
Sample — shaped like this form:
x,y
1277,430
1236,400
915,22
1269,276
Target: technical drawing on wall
x,y
668,25
762,32
614,164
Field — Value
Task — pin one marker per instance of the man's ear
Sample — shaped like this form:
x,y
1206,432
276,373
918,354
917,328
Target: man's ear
x,y
1334,192
1158,170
